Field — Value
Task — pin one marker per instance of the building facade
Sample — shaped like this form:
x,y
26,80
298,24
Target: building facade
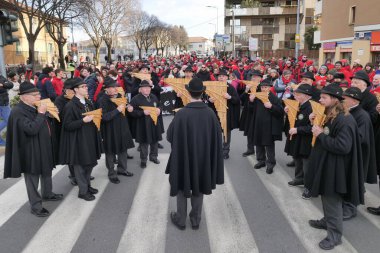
x,y
200,45
349,29
272,22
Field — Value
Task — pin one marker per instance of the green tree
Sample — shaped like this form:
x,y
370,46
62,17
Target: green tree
x,y
309,38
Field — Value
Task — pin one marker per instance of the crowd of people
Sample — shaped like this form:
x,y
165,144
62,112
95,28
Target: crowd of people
x,y
337,167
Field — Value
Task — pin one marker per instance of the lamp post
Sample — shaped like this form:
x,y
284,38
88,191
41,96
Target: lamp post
x,y
233,33
217,16
298,38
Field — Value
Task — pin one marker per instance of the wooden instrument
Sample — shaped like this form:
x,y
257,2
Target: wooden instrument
x,y
120,90
51,108
217,90
153,113
120,101
294,86
254,86
319,111
263,96
97,117
293,106
178,85
141,76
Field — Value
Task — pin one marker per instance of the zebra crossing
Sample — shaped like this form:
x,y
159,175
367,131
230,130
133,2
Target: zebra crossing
x,y
230,222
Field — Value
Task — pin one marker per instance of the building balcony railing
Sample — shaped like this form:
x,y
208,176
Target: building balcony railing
x,y
257,11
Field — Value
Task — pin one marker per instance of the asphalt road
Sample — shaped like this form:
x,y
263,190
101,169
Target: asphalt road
x,y
251,212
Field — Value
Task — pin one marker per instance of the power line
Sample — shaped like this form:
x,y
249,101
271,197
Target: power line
x,y
191,27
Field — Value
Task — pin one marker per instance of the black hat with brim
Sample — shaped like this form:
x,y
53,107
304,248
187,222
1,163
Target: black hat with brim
x,y
145,83
333,90
308,75
222,72
76,82
144,67
304,89
27,87
68,84
266,82
256,73
353,92
362,75
189,69
195,85
109,82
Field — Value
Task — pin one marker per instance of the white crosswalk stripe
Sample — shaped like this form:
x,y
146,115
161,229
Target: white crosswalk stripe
x,y
2,166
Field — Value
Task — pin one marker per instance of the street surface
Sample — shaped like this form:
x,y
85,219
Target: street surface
x,y
251,212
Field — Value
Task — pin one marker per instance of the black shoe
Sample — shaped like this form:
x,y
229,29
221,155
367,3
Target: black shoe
x,y
159,145
175,222
326,244
139,148
226,156
143,165
248,153
269,169
374,210
115,161
92,190
40,213
92,178
291,164
73,181
349,217
129,156
154,160
306,194
318,224
195,227
54,197
125,173
259,165
88,196
295,182
115,180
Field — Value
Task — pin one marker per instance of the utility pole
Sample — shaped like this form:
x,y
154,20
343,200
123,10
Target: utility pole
x,y
233,34
2,63
298,37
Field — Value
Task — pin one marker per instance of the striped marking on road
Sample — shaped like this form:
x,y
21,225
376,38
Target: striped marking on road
x,y
374,201
64,226
227,225
146,226
2,165
10,204
297,210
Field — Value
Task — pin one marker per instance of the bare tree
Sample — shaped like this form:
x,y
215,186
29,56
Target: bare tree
x,y
137,23
183,38
148,32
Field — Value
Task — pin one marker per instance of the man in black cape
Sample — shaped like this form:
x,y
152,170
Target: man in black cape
x,y
335,168
117,138
195,164
145,131
80,144
29,149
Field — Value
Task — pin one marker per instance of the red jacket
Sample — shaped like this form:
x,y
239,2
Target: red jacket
x,y
120,82
57,85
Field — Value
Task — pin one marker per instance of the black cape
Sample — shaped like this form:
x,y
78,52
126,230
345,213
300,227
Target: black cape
x,y
369,103
115,128
246,113
143,128
335,163
80,142
28,147
196,160
367,140
300,144
377,144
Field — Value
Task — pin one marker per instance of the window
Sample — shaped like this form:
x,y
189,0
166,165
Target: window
x,y
18,48
309,20
352,15
289,20
50,48
237,22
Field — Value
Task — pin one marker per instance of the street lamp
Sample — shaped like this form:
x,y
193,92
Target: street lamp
x,y
217,16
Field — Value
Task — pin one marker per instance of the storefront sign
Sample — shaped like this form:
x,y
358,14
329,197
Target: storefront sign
x,y
329,45
375,48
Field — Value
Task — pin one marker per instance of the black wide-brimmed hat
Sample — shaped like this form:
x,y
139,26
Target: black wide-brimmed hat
x,y
304,88
76,82
333,90
68,84
256,73
145,83
362,75
195,85
109,82
223,72
27,87
266,82
339,75
145,66
353,92
189,69
308,75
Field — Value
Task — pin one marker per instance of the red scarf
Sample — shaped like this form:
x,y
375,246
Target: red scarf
x,y
286,81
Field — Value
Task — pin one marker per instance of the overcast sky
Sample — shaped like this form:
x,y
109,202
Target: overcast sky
x,y
192,14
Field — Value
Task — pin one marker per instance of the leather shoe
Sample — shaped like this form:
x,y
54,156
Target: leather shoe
x,y
291,164
143,165
259,165
155,160
295,182
226,156
88,196
326,244
349,217
129,156
115,180
269,170
374,210
318,224
125,173
175,222
92,178
73,181
159,145
194,227
54,197
248,153
92,190
40,213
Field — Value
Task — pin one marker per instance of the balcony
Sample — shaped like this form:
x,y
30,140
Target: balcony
x,y
264,11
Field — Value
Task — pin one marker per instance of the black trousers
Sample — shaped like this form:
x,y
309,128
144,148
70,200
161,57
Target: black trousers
x,y
250,145
333,216
227,144
82,175
196,209
266,154
301,167
121,166
144,151
31,182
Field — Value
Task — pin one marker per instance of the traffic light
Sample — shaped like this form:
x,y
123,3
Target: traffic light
x,y
8,28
